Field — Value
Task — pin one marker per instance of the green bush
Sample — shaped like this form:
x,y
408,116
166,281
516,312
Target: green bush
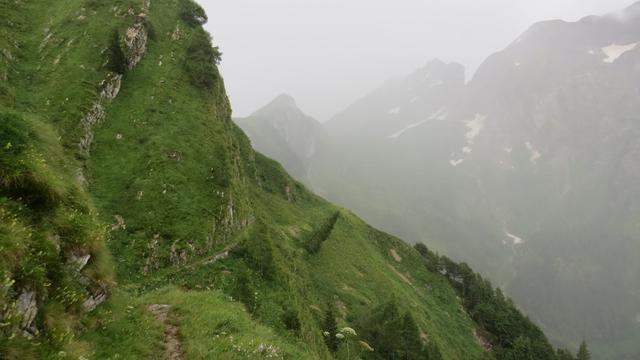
x,y
395,335
314,243
201,60
192,14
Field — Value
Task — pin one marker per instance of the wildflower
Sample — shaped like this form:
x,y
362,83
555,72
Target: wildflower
x,y
348,331
340,336
325,333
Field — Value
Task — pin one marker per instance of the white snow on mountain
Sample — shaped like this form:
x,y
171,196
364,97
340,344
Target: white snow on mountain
x,y
438,115
614,51
395,110
535,154
408,127
514,238
475,126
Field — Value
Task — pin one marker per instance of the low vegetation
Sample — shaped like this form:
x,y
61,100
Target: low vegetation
x,y
510,334
246,261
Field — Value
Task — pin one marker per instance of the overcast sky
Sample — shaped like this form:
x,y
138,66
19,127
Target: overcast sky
x,y
328,53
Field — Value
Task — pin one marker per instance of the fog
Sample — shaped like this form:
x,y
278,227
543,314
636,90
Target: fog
x,y
327,53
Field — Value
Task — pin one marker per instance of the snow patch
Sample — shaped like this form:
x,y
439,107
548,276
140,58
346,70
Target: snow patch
x,y
514,238
475,126
591,52
413,100
467,149
517,64
395,110
457,162
614,51
436,83
535,154
508,150
438,115
408,127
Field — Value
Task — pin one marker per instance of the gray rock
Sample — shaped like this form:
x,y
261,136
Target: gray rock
x,y
135,41
78,261
27,304
110,87
92,302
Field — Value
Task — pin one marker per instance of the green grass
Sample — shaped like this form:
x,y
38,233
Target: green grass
x,y
211,326
185,180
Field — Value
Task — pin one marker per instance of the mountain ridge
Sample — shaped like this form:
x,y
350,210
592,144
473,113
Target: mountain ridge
x,y
138,221
526,172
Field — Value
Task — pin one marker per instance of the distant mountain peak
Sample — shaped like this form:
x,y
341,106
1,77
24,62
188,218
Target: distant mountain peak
x,y
438,64
438,71
284,100
280,104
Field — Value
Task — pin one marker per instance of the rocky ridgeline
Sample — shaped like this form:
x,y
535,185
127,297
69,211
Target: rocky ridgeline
x,y
134,47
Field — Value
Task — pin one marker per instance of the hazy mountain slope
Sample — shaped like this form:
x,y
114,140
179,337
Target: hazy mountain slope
x,y
282,131
400,104
116,130
529,172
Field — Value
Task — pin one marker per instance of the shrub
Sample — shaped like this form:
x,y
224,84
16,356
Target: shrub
x,y
314,243
291,320
201,60
192,14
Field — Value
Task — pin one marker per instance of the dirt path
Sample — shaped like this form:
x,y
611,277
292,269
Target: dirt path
x,y
173,347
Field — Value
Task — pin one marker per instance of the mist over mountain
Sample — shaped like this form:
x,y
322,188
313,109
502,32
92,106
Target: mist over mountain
x,y
529,171
282,131
138,222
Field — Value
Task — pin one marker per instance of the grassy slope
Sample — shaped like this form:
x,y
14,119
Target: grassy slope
x,y
169,160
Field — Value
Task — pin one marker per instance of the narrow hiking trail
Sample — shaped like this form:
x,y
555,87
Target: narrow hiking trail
x,y
173,347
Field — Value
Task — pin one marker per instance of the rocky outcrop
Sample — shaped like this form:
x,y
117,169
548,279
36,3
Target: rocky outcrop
x,y
120,223
135,41
94,116
78,261
96,298
27,305
110,86
179,256
152,257
135,46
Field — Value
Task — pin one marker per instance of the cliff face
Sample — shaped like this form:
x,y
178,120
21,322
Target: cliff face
x,y
135,213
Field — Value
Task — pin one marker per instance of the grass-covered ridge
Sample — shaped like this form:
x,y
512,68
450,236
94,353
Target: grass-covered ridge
x,y
249,263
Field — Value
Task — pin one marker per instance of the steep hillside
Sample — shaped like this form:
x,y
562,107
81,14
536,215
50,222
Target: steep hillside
x,y
529,172
116,131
